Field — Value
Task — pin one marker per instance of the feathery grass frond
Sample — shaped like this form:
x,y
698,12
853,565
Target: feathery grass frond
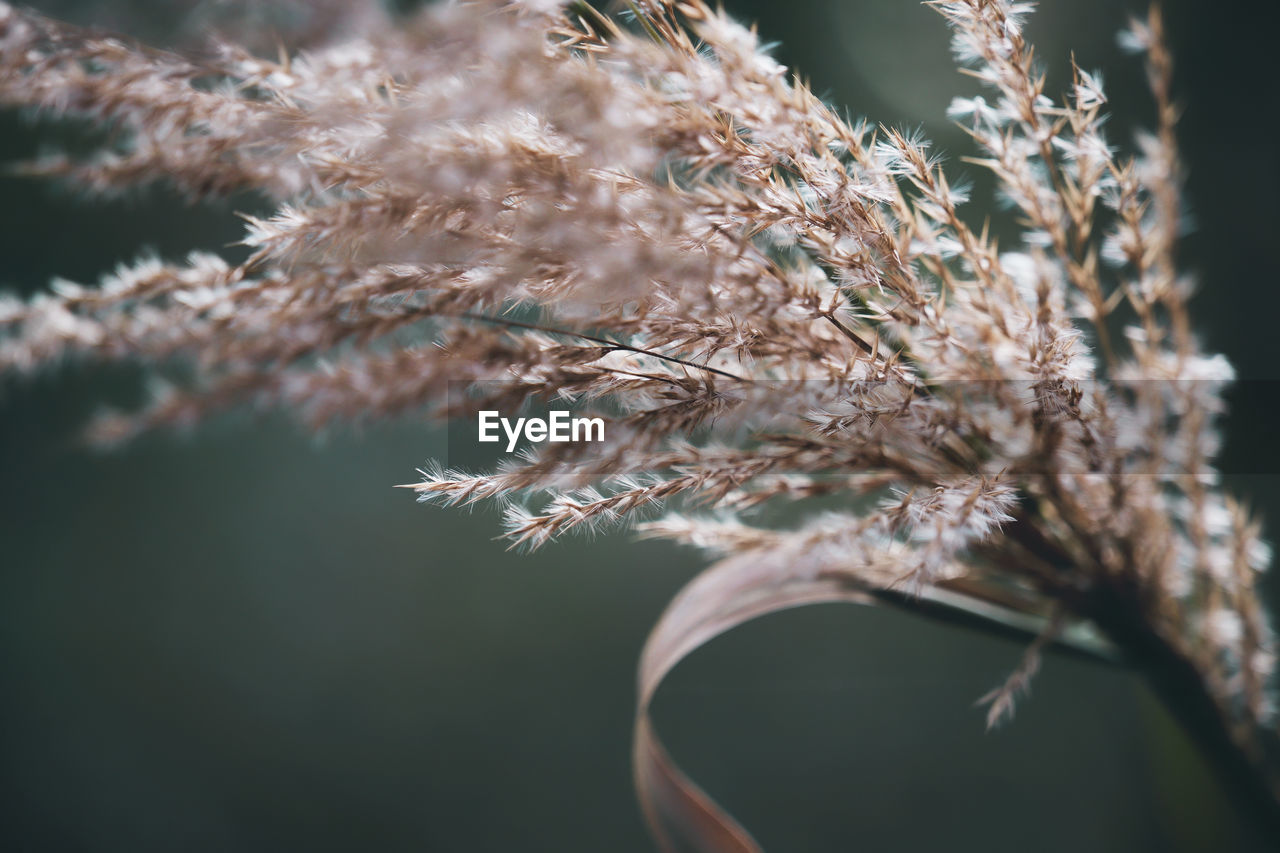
x,y
649,215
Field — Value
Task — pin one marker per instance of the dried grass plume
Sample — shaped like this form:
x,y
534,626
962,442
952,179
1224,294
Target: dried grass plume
x,y
648,214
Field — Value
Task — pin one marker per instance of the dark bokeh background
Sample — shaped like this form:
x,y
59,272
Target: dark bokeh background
x,y
244,639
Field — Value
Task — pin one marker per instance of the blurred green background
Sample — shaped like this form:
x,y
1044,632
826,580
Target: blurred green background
x,y
244,639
